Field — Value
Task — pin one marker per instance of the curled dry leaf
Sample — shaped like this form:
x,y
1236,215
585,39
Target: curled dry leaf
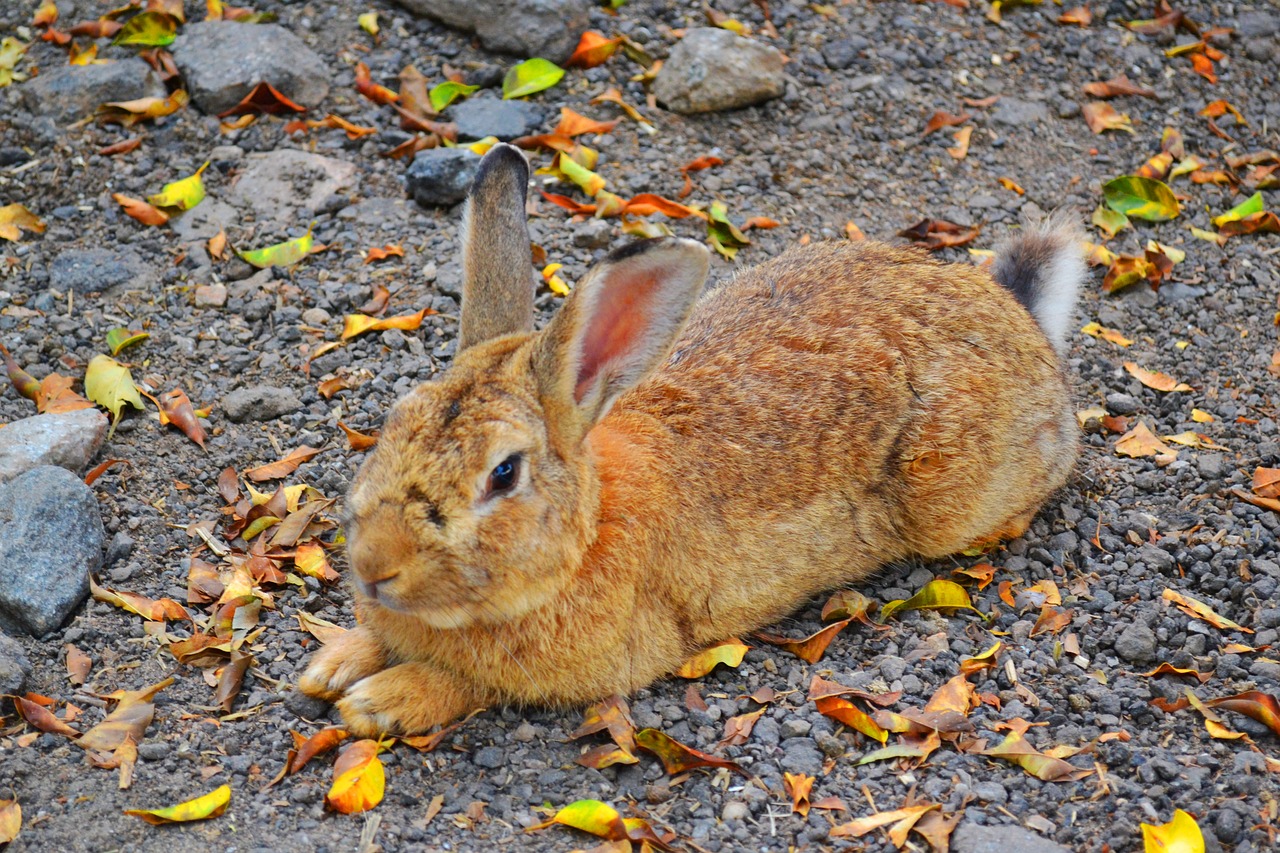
x,y
1170,669
359,779
129,719
129,113
843,711
798,786
1079,15
1015,749
603,821
208,806
307,748
1117,87
175,408
365,86
811,648
676,757
78,665
1155,380
358,324
1101,116
136,208
936,234
1141,441
381,254
264,99
1109,335
941,119
729,653
1200,610
936,595
284,467
902,819
592,50
41,718
15,218
961,149
737,729
10,820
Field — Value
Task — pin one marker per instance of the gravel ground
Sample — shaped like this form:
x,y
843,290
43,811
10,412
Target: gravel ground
x,y
844,143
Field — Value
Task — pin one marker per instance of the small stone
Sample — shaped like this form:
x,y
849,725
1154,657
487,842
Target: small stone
x,y
441,176
841,53
1211,465
735,810
713,69
795,727
211,296
477,118
286,185
1156,558
526,732
593,234
120,548
98,270
69,92
1014,112
490,757
260,403
974,838
990,792
14,666
304,706
316,317
892,668
1136,644
52,541
66,439
801,755
153,750
1121,404
546,28
222,61
1228,826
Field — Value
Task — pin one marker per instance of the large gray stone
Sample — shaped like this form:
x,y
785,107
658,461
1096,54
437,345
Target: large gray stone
x,y
439,177
1137,644
546,28
477,118
67,440
287,185
1014,112
974,838
260,403
713,69
98,270
14,666
69,92
222,61
51,543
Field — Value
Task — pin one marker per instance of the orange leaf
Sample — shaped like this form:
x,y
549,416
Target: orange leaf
x,y
763,222
575,124
319,743
283,467
568,203
1155,380
645,204
1263,221
1259,706
78,665
140,210
942,119
798,786
175,408
811,648
961,148
1141,441
1266,482
729,653
1200,610
264,99
358,324
844,711
357,440
1101,116
124,146
376,254
593,49
1117,87
676,757
353,131
358,779
1170,669
1080,16
936,234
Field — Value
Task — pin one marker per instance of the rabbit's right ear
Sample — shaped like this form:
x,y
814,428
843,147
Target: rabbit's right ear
x,y
617,325
497,264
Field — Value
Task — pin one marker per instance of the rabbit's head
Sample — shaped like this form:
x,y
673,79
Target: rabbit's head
x,y
478,502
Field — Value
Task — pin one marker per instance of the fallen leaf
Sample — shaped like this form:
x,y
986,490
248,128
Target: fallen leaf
x,y
613,96
42,718
231,678
1011,185
1249,207
1262,707
936,595
357,440
847,604
843,711
1101,116
1170,669
1126,270
148,29
284,254
903,819
283,467
983,661
728,653
369,23
1110,335
183,194
942,119
153,610
353,131
1141,198
311,562
961,149
798,787
1251,224
591,816
358,779
676,757
129,113
1217,109
1197,440
1266,482
1202,611
210,805
737,729
1180,835
1117,87
1015,749
307,748
1141,441
108,383
365,86
10,820
264,99
140,210
531,76
129,719
1155,380
811,648
936,234
322,629
15,218
78,665
358,324
592,50
724,236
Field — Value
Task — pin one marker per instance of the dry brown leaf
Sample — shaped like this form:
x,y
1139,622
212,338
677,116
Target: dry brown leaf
x,y
1155,380
283,467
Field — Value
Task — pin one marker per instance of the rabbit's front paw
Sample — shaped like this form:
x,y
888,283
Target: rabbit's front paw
x,y
403,700
341,663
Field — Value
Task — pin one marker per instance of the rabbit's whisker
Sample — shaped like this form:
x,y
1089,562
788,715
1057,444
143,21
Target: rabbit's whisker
x,y
492,611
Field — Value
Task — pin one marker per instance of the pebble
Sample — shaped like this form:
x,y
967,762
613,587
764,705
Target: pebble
x,y
52,542
735,810
211,296
991,792
120,548
593,234
795,727
801,755
86,271
304,706
839,54
491,757
260,403
70,92
1015,112
713,69
222,61
286,185
153,750
1136,644
1156,558
439,177
974,838
65,439
479,117
14,666
545,28
1122,404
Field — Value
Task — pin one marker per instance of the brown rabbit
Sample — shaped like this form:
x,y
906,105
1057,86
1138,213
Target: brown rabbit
x,y
571,513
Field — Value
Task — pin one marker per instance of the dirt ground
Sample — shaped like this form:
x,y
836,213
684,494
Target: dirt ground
x,y
846,143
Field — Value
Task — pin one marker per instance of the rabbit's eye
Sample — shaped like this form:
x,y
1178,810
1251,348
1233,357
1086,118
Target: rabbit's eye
x,y
503,476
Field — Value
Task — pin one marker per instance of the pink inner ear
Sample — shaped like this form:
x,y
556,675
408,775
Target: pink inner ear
x,y
616,325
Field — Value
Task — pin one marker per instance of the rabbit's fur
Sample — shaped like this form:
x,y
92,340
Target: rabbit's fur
x,y
839,407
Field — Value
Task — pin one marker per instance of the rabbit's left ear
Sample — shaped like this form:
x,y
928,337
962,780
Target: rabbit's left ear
x,y
615,327
497,264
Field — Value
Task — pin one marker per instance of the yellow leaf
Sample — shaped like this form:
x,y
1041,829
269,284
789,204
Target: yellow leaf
x,y
1015,748
184,194
284,254
530,76
1198,440
369,22
1154,379
1180,835
1106,334
10,820
210,805
11,50
1141,441
1200,610
358,779
1200,416
936,595
600,819
554,282
903,819
358,324
587,180
108,383
729,654
15,216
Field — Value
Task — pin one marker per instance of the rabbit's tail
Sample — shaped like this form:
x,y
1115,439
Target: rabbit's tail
x,y
1043,267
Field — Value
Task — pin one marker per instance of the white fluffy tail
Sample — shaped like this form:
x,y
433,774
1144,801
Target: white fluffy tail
x,y
1044,267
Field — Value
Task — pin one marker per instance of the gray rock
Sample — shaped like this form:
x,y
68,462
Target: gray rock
x,y
1122,404
14,666
204,220
801,755
974,838
593,234
98,270
546,28
1155,558
306,707
991,792
222,61
260,403
120,548
841,53
67,440
287,185
1258,23
1137,644
713,69
441,176
1014,112
52,542
153,750
795,727
480,117
69,92
211,296
488,756
1177,291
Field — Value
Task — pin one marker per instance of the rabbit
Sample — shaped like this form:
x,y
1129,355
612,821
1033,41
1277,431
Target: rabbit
x,y
572,513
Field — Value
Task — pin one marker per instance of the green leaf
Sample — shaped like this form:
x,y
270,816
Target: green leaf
x,y
936,595
1141,198
108,383
532,75
1109,221
724,235
118,339
587,180
280,255
150,29
1251,205
184,194
447,92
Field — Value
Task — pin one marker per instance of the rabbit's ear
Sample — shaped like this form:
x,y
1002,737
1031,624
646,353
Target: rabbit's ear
x,y
497,266
615,327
